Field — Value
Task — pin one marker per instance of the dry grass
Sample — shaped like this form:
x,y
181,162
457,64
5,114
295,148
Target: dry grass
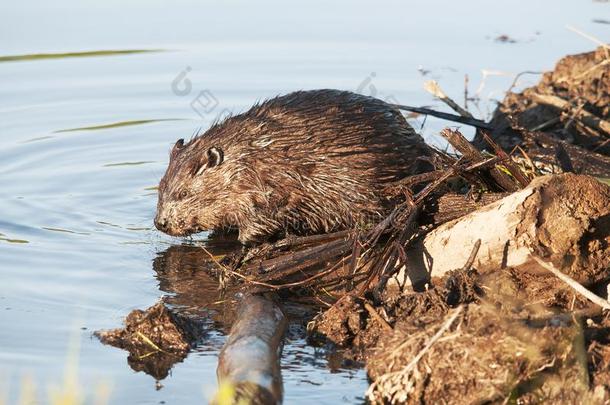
x,y
476,356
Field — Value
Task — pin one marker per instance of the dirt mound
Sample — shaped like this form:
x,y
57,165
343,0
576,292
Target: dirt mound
x,y
472,338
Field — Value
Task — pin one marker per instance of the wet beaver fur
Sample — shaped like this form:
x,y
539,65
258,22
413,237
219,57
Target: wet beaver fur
x,y
306,162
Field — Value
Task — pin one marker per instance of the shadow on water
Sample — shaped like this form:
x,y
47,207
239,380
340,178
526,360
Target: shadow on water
x,y
185,275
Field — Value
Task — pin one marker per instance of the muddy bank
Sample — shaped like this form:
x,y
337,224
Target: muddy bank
x,y
477,338
501,326
477,354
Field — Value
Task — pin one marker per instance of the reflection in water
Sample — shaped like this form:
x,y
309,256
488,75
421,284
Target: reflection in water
x,y
184,273
142,162
38,138
46,228
184,319
42,56
194,314
117,124
4,238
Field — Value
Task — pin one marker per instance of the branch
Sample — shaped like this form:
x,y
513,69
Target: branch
x,y
446,116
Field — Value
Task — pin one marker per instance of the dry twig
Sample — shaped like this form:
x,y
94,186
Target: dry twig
x,y
433,88
377,317
576,286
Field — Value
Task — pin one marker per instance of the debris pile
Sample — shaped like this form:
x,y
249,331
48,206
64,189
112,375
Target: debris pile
x,y
563,123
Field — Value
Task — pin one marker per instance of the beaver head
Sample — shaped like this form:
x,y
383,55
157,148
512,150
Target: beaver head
x,y
191,191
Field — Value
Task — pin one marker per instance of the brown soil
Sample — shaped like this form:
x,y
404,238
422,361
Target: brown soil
x,y
354,328
577,244
598,351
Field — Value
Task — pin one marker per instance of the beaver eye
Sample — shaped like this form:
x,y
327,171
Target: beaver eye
x,y
183,194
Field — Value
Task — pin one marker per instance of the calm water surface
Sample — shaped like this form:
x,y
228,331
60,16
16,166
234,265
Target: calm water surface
x,y
84,141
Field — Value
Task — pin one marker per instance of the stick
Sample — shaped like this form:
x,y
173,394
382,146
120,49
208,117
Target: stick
x,y
377,317
249,362
466,92
586,117
546,124
432,87
446,116
473,255
518,76
514,170
590,38
433,339
236,274
574,284
494,177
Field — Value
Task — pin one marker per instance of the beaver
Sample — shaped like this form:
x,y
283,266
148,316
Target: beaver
x,y
303,163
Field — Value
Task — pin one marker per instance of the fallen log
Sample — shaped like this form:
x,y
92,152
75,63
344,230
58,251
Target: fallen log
x,y
563,219
249,363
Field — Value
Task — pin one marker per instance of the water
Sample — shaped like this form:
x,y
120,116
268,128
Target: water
x,y
77,243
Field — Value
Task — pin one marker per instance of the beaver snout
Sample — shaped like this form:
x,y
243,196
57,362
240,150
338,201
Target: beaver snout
x,y
161,223
175,227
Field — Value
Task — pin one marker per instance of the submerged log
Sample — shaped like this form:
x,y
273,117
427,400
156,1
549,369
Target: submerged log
x,y
249,363
564,219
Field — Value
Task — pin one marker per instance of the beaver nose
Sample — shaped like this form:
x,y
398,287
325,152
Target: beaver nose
x,y
161,223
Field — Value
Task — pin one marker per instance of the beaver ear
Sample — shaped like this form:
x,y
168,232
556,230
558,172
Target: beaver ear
x,y
177,146
215,157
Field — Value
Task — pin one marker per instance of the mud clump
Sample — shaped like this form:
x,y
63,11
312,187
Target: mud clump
x,y
578,244
354,325
155,338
